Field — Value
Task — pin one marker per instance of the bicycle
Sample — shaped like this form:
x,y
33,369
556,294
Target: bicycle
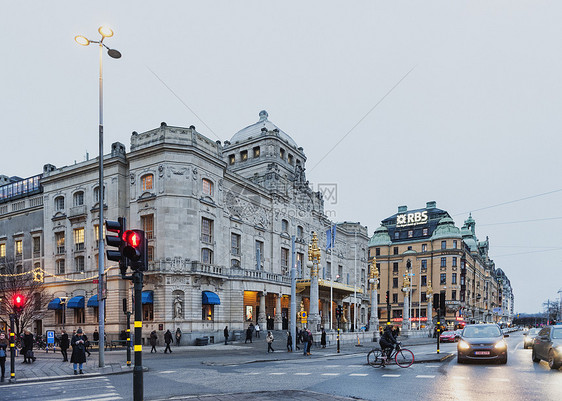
x,y
403,357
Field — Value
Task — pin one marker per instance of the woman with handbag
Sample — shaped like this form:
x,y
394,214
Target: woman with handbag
x,y
78,356
3,353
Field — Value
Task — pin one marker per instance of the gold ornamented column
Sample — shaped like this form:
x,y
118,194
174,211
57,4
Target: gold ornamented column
x,y
314,266
406,309
429,297
374,281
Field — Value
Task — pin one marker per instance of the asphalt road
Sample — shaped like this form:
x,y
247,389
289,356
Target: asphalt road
x,y
346,375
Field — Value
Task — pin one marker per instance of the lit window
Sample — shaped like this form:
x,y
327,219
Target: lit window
x,y
59,239
19,248
2,250
290,159
207,187
231,159
207,312
282,154
59,203
147,312
256,152
147,182
79,239
79,198
97,234
147,224
425,231
244,155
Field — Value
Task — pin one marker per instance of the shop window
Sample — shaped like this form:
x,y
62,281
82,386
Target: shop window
x,y
147,312
147,182
208,312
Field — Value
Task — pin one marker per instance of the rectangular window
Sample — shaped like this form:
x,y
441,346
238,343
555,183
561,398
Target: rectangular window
x,y
147,182
2,250
340,271
60,269
423,281
284,226
424,264
410,233
423,296
79,198
377,251
78,315
443,279
282,154
19,248
284,261
79,264
150,254
454,295
396,235
59,239
36,247
231,159
443,262
300,258
396,250
329,270
79,239
395,282
425,231
97,234
394,298
256,152
259,255
395,267
235,244
443,244
244,155
455,244
147,312
300,232
147,224
290,159
454,261
206,256
207,187
424,247
207,313
58,316
206,230
454,278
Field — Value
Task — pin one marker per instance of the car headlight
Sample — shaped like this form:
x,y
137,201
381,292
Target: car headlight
x,y
463,344
501,344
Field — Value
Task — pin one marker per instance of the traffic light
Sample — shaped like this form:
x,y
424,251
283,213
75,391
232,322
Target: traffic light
x,y
18,301
387,297
339,312
118,227
136,249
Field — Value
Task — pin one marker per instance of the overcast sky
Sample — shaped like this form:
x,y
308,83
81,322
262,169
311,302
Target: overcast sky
x,y
473,122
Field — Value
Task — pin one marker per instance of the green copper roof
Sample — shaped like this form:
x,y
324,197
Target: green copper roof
x,y
446,229
380,237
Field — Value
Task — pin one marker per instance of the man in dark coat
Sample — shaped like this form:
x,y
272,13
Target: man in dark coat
x,y
168,341
153,339
64,344
310,341
304,336
27,349
78,356
248,335
178,337
225,335
323,338
387,341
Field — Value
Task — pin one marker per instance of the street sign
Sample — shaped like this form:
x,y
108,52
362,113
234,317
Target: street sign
x,y
50,336
95,281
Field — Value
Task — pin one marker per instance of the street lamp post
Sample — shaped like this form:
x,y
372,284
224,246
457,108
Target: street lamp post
x,y
105,32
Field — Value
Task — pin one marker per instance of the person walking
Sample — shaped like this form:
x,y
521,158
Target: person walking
x,y
323,338
257,330
78,356
298,337
269,339
289,342
27,349
153,339
3,353
225,335
310,341
64,344
168,340
304,336
96,336
248,335
178,337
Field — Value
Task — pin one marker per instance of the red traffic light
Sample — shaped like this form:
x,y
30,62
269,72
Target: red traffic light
x,y
132,238
18,300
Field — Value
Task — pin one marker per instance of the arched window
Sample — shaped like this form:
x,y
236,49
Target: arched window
x,y
59,203
79,198
147,182
207,187
206,256
284,226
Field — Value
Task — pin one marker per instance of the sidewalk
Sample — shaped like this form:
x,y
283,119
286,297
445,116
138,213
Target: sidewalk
x,y
49,366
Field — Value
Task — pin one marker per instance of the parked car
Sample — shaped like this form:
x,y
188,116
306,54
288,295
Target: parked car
x,y
529,336
547,346
482,342
448,336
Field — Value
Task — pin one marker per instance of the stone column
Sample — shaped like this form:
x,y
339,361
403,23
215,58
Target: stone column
x,y
278,320
406,311
261,316
429,313
348,317
314,265
374,281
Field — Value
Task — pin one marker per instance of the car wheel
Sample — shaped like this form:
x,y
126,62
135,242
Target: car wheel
x,y
459,359
534,356
552,362
504,360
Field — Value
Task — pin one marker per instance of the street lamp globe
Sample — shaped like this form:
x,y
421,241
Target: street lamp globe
x,y
309,264
81,40
105,31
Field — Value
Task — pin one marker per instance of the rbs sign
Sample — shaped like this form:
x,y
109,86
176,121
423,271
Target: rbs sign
x,y
411,219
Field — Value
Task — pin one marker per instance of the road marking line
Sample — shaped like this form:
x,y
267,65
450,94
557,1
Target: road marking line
x,y
355,366
302,374
101,397
426,376
390,375
252,373
431,366
359,374
110,398
168,371
330,374
51,382
278,373
332,366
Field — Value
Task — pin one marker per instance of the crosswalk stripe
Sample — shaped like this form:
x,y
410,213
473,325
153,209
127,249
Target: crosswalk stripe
x,y
168,371
100,397
302,374
103,399
355,366
359,374
252,373
425,376
390,375
278,373
332,366
431,366
330,374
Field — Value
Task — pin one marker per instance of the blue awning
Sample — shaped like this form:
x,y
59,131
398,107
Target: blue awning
x,y
75,302
146,297
93,301
210,298
55,304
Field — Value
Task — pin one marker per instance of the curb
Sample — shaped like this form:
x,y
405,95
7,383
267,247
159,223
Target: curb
x,y
68,377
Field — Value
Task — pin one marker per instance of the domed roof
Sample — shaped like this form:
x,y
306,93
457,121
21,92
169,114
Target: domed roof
x,y
468,238
255,130
380,237
446,229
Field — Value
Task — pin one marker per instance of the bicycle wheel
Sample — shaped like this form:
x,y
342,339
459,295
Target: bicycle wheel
x,y
404,358
374,358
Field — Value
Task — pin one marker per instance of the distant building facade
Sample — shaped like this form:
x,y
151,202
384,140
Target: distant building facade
x,y
437,257
219,220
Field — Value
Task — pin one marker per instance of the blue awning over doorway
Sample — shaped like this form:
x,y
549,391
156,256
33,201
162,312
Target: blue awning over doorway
x,y
210,298
55,304
93,301
147,297
75,302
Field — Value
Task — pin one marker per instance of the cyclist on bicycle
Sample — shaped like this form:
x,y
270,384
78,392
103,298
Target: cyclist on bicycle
x,y
387,341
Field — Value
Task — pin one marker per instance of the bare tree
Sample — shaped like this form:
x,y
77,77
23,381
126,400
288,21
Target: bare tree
x,y
28,283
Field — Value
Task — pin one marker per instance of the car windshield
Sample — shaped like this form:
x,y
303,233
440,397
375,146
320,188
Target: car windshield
x,y
557,333
448,333
481,331
534,331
